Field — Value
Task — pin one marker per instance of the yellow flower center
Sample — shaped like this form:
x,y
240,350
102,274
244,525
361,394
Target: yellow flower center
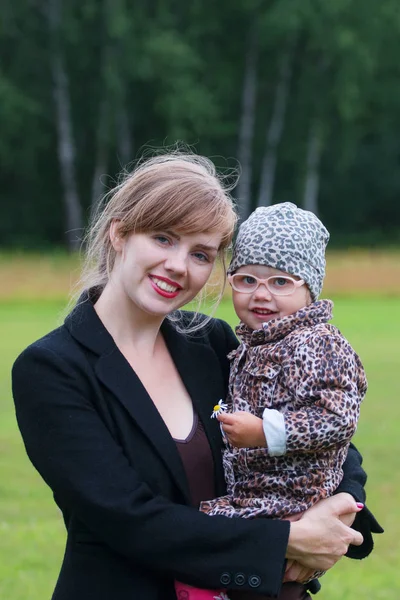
x,y
217,407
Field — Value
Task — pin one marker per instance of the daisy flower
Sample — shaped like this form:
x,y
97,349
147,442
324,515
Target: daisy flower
x,y
218,409
222,596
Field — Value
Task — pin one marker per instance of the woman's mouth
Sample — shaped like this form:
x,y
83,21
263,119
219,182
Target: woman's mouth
x,y
165,287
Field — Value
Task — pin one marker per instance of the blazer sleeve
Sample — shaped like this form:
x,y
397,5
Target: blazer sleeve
x,y
86,468
353,482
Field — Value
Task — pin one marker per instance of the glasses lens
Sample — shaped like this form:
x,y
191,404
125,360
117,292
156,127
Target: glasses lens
x,y
281,286
244,283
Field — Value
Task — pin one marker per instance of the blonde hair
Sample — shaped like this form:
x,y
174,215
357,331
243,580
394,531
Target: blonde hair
x,y
176,191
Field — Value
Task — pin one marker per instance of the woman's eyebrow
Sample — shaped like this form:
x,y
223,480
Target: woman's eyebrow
x,y
206,247
200,245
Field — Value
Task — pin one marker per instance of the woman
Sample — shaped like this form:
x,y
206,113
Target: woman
x,y
106,402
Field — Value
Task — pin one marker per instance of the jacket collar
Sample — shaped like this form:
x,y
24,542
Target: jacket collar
x,y
276,329
196,363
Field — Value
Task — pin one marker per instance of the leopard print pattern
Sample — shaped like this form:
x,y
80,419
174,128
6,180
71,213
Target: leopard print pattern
x,y
303,367
284,237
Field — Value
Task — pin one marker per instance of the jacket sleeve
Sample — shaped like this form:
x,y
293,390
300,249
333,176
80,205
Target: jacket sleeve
x,y
329,384
86,468
332,391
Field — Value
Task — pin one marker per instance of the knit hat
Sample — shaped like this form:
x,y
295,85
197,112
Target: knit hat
x,y
284,237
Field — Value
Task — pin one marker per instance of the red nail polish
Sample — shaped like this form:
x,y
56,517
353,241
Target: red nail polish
x,y
360,505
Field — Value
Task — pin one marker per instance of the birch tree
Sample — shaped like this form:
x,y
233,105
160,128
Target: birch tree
x,y
275,127
65,139
314,152
246,127
113,129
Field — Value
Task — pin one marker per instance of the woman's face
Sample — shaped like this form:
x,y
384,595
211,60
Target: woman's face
x,y
161,271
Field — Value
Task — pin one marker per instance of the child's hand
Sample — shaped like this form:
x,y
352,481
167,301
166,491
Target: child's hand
x,y
243,429
296,572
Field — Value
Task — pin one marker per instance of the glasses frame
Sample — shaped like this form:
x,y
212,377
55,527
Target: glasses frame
x,y
296,282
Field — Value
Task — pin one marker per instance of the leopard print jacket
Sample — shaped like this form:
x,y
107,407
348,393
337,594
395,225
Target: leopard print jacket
x,y
303,367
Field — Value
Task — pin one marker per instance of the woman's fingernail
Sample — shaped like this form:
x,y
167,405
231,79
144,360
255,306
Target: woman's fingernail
x,y
360,505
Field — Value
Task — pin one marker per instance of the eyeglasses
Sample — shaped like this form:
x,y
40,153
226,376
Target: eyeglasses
x,y
278,285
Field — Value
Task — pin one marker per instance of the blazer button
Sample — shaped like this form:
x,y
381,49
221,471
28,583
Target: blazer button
x,y
225,579
240,579
254,581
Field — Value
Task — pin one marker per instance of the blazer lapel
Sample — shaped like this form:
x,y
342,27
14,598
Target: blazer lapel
x,y
117,375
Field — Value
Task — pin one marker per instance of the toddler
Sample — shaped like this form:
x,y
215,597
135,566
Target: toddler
x,y
296,383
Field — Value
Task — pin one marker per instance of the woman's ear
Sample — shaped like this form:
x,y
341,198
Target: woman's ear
x,y
115,237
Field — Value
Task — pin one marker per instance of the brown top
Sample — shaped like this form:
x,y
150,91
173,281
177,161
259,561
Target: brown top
x,y
197,459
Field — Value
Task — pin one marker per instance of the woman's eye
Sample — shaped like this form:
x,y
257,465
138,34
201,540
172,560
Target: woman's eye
x,y
201,256
162,239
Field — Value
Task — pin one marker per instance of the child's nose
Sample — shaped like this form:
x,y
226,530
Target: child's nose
x,y
263,292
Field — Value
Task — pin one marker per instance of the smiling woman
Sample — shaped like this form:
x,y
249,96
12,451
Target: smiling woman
x,y
114,408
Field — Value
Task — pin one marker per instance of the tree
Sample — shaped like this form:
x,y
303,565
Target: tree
x,y
246,126
275,127
66,145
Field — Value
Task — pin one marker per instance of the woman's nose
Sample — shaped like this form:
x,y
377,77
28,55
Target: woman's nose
x,y
177,262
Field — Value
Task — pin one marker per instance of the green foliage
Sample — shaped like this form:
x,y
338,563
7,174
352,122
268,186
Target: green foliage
x,y
155,72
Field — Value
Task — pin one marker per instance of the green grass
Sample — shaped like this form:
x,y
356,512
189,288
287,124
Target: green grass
x,y
31,531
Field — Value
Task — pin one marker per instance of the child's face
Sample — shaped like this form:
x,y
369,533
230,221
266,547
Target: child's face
x,y
261,306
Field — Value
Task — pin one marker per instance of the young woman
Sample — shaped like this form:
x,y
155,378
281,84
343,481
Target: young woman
x,y
114,409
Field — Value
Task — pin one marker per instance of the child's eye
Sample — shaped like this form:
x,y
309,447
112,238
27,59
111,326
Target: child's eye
x,y
280,281
248,280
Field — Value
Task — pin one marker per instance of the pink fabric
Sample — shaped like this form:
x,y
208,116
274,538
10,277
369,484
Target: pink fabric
x,y
187,592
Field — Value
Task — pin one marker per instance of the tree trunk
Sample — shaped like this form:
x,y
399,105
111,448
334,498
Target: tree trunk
x,y
275,129
314,152
100,168
113,126
115,13
66,147
124,141
246,130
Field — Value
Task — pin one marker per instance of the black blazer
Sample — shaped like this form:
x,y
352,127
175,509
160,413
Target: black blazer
x,y
98,441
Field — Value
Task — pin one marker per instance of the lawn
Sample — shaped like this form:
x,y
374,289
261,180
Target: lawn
x,y
32,535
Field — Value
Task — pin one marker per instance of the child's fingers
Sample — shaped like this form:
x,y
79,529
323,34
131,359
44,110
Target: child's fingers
x,y
226,418
289,564
227,428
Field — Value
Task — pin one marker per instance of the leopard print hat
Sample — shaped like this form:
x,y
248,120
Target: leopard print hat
x,y
287,238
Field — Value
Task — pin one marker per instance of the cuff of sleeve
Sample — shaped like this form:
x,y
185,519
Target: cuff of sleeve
x,y
274,431
366,523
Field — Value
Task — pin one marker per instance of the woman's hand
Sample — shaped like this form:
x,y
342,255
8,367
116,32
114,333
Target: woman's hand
x,y
335,504
243,429
320,538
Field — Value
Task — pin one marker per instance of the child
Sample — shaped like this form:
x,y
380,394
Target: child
x,y
296,384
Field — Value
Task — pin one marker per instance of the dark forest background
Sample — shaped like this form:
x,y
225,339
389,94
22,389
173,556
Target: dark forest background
x,y
305,94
